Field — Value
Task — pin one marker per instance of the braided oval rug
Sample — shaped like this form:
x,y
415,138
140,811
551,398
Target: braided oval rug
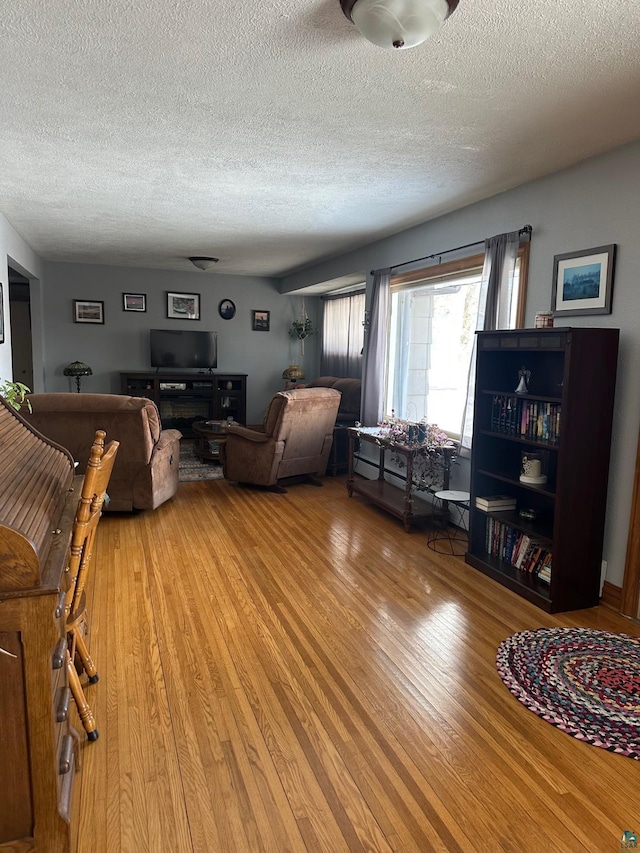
x,y
583,681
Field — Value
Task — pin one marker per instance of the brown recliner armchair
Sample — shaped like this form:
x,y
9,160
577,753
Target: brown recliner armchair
x,y
295,442
145,473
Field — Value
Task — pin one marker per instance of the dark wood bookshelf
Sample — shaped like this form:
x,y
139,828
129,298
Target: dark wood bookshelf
x,y
575,370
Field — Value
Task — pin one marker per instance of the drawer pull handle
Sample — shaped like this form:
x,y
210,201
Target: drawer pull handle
x,y
8,654
62,708
59,653
61,602
66,755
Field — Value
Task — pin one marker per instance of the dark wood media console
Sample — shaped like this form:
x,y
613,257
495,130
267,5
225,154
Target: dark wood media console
x,y
184,398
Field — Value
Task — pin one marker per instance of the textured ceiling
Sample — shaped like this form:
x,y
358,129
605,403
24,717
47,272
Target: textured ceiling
x,y
272,135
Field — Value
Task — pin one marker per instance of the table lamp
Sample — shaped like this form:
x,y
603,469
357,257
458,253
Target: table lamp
x,y
293,373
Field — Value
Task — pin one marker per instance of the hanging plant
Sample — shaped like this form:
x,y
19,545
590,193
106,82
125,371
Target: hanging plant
x,y
301,329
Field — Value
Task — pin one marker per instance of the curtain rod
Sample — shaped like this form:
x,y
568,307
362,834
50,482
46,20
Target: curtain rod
x,y
526,230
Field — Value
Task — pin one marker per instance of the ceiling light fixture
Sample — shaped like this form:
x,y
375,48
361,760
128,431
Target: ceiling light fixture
x,y
398,23
204,263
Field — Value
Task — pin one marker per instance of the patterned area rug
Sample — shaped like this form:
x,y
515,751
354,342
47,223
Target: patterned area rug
x,y
585,682
192,468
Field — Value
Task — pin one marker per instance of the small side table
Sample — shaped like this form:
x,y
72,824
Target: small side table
x,y
204,432
452,537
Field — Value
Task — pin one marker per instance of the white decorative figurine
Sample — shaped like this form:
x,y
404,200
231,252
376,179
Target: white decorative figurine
x,y
524,375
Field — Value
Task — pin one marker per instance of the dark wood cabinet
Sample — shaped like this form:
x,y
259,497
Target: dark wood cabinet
x,y
565,416
183,398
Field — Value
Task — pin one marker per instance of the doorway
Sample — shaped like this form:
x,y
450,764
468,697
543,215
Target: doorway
x,y
21,338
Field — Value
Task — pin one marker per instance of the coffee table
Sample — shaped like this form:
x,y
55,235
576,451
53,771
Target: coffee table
x,y
206,432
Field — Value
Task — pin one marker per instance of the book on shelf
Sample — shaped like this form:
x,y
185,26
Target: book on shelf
x,y
530,550
544,570
533,557
505,413
495,502
545,575
523,548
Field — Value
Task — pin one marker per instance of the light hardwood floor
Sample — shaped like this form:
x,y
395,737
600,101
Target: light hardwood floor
x,y
296,673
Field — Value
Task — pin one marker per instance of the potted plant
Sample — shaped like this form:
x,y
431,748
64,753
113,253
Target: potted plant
x,y
15,393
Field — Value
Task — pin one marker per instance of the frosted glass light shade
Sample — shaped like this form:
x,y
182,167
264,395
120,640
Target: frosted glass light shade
x,y
204,263
399,23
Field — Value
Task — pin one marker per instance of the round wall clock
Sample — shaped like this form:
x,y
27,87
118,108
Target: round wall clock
x,y
226,309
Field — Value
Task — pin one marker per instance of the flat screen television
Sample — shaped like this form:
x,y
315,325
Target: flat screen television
x,y
183,348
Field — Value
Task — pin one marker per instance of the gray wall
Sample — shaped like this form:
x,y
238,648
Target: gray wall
x,y
592,204
16,253
122,343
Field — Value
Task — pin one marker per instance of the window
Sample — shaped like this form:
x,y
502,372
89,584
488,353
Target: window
x,y
431,336
343,335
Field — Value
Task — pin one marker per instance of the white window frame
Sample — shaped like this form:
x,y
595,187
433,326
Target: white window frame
x,y
442,274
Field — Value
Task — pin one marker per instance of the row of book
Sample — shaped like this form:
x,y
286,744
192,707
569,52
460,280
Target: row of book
x,y
528,418
524,552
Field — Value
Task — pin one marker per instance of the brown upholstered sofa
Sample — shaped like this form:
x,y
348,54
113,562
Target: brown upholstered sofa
x,y
146,468
295,441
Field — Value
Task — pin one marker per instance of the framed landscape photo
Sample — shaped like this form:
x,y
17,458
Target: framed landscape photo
x,y
183,306
88,311
134,301
260,321
583,281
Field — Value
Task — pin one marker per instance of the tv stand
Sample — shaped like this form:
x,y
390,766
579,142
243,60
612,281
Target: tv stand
x,y
184,398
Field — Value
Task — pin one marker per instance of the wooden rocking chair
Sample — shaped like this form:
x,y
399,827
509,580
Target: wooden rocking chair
x,y
92,498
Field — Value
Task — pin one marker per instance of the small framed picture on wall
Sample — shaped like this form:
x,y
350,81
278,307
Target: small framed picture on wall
x,y
583,281
260,321
227,309
183,306
134,301
88,311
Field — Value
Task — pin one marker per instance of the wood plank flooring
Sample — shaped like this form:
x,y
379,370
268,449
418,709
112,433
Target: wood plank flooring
x,y
296,673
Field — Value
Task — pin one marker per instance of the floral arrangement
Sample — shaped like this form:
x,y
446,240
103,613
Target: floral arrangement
x,y
428,463
399,431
